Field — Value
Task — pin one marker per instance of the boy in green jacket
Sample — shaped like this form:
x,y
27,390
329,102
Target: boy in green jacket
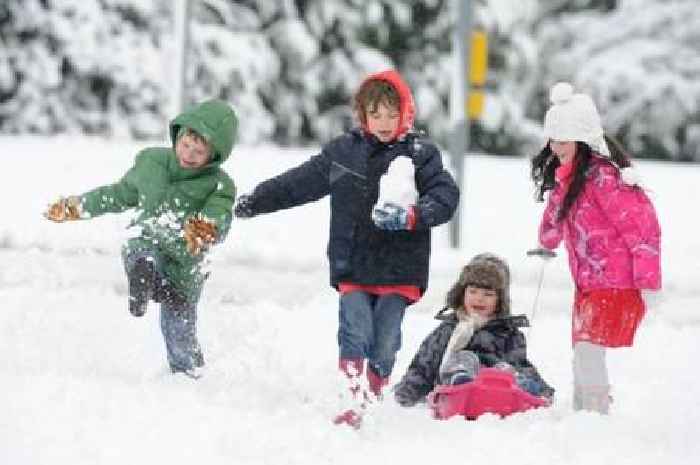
x,y
183,201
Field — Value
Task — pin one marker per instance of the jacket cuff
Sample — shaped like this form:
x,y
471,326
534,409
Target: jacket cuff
x,y
646,273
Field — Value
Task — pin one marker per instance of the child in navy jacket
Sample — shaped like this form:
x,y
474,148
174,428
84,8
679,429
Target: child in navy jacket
x,y
378,255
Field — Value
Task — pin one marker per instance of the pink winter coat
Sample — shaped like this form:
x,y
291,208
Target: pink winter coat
x,y
611,232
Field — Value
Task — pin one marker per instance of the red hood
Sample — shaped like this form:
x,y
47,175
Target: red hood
x,y
407,108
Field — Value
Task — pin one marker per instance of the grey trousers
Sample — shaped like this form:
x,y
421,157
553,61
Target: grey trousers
x,y
591,383
178,321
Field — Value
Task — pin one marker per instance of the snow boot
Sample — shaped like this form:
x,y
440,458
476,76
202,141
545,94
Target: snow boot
x,y
141,281
592,399
376,383
459,368
352,368
195,372
460,377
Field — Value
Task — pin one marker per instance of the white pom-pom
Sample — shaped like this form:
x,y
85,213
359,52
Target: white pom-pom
x,y
561,93
631,176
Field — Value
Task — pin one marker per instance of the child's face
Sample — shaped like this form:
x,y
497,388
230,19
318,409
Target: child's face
x,y
480,301
383,122
192,152
564,150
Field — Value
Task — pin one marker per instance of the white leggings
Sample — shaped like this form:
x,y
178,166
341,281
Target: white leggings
x,y
590,368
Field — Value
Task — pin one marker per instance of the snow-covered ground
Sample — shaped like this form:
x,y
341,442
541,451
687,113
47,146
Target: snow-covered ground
x,y
83,382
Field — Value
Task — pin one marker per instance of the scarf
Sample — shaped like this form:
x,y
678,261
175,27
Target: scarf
x,y
467,325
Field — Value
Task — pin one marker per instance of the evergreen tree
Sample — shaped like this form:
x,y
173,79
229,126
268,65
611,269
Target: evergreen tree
x,y
291,67
79,66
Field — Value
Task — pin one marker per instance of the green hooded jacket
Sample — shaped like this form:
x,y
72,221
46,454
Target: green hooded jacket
x,y
166,195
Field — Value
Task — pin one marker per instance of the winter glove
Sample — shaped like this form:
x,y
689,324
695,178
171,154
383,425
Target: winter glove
x,y
244,206
393,217
200,234
64,209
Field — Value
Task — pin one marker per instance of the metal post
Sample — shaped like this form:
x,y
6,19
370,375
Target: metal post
x,y
182,42
461,42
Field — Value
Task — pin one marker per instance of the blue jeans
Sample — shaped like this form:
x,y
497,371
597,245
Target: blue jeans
x,y
178,323
178,320
370,327
463,366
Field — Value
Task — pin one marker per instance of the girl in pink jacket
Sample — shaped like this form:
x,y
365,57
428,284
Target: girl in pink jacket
x,y
610,231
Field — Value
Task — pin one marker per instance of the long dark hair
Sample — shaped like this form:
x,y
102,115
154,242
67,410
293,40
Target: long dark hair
x,y
545,163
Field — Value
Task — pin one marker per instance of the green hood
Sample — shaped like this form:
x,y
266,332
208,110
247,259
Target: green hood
x,y
214,120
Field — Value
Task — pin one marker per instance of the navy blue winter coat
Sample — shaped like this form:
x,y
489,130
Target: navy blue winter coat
x,y
348,169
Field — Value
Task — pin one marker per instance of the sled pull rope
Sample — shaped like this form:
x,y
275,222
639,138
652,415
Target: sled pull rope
x,y
545,255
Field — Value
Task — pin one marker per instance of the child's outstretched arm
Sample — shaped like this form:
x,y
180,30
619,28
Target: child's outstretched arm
x,y
303,184
112,198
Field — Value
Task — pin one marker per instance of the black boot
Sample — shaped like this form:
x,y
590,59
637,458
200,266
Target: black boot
x,y
141,281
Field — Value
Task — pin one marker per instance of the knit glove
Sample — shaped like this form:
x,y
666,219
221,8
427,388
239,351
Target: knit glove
x,y
64,209
200,234
393,217
244,206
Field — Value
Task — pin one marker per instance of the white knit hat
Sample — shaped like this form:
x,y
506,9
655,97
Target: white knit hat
x,y
574,117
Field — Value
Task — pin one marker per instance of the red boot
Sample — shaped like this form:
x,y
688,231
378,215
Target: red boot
x,y
352,368
376,383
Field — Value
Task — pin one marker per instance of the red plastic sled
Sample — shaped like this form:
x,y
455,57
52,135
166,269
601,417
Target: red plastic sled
x,y
493,391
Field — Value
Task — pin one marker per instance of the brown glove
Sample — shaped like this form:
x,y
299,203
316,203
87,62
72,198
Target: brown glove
x,y
199,234
64,209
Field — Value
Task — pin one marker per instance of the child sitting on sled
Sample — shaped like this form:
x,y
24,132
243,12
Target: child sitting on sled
x,y
476,331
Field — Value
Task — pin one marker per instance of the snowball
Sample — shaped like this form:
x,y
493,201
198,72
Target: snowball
x,y
398,185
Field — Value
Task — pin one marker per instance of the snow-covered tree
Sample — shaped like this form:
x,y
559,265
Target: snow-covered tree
x,y
641,65
290,67
93,67
231,57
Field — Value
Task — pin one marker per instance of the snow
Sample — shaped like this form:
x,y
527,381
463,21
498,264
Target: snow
x,y
85,383
398,186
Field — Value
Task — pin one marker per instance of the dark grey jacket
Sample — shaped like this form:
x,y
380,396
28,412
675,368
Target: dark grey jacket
x,y
348,169
499,340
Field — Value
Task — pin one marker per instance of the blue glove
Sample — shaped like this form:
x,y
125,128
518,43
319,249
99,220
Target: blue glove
x,y
392,217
